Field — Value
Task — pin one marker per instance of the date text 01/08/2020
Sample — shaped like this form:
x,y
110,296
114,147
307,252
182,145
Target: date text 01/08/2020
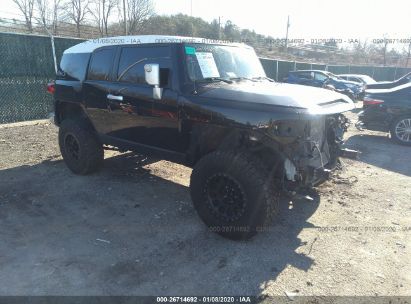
x,y
205,299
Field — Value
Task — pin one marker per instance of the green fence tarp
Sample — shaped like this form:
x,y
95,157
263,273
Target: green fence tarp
x,y
26,67
283,68
270,67
338,69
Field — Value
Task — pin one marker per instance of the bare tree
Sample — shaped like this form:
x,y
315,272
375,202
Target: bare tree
x,y
361,51
77,10
138,11
56,7
49,13
101,11
26,7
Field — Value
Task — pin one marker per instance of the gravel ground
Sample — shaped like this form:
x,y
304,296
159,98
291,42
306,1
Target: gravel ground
x,y
130,229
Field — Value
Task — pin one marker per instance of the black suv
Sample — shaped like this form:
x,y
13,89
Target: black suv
x,y
204,104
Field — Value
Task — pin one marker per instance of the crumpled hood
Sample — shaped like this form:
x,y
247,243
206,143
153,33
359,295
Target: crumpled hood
x,y
313,100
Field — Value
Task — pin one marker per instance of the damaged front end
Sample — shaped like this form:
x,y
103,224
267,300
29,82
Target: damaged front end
x,y
311,146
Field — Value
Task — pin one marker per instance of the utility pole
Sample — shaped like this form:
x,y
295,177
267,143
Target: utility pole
x,y
286,34
191,14
125,18
219,28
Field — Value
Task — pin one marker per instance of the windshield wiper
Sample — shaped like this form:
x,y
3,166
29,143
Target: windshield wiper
x,y
264,77
242,78
215,79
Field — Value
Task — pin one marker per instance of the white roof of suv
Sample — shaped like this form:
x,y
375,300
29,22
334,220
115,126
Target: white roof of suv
x,y
90,45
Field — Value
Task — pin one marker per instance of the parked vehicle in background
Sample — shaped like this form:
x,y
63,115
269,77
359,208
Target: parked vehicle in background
x,y
325,79
388,110
208,106
390,84
359,78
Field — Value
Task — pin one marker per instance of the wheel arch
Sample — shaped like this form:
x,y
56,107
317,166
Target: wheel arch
x,y
208,138
71,110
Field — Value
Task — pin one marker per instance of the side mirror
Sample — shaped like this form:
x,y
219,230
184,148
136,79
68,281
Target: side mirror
x,y
152,76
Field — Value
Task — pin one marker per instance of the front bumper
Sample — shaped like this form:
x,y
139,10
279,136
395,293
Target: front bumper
x,y
316,156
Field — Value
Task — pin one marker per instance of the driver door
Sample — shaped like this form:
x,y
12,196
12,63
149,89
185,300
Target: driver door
x,y
138,116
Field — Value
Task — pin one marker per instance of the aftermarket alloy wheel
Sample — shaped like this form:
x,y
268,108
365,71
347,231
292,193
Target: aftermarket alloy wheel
x,y
401,130
80,147
233,194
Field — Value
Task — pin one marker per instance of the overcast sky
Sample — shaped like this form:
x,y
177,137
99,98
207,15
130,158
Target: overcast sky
x,y
310,19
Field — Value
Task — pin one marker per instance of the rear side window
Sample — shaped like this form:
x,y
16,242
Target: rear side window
x,y
305,75
100,64
73,66
133,59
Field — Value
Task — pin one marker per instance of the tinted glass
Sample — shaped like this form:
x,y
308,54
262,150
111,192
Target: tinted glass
x,y
320,77
100,65
210,61
73,66
133,60
305,75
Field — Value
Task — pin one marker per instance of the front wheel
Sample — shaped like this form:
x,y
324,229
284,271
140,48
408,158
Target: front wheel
x,y
401,130
233,194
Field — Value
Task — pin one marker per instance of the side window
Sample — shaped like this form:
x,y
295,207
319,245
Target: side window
x,y
74,66
320,77
133,60
100,64
304,75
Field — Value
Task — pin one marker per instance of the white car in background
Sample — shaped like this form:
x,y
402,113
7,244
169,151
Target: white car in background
x,y
363,79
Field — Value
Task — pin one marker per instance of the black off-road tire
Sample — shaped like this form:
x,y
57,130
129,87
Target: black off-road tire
x,y
256,192
394,134
89,155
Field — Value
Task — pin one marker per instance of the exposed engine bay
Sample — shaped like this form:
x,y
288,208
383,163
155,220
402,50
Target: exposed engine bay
x,y
314,155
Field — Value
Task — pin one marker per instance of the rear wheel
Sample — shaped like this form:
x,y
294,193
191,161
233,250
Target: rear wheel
x,y
401,130
80,147
233,194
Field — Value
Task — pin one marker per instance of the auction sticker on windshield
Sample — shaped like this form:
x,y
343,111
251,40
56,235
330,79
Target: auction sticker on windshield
x,y
207,64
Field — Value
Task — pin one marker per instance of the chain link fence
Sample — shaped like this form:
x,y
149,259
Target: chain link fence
x,y
26,66
278,69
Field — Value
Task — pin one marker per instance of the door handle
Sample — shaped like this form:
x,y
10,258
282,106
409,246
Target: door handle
x,y
114,97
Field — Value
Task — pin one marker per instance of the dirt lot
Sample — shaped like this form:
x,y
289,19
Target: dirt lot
x,y
130,229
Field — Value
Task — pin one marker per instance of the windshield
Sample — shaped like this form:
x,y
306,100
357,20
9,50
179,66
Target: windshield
x,y
206,61
331,75
368,79
406,77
